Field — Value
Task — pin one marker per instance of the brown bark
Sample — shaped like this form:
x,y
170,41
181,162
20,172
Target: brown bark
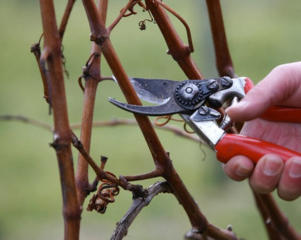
x,y
92,79
264,213
138,204
62,134
177,49
222,55
278,219
65,17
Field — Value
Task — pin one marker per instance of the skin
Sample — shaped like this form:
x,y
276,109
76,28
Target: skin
x,y
282,86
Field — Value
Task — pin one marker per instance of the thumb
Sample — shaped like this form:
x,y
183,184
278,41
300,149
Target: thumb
x,y
251,106
279,87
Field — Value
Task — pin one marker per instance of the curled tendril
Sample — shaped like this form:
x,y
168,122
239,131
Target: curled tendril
x,y
167,119
142,25
186,128
105,194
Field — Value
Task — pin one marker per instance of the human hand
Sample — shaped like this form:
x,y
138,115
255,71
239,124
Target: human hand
x,y
282,86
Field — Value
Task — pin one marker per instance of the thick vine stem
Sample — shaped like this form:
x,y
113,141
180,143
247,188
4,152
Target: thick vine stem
x,y
137,206
62,133
92,78
35,48
65,17
194,234
182,20
222,54
220,234
178,50
271,230
278,219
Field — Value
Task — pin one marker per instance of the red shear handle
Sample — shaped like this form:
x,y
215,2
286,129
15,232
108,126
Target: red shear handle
x,y
282,114
233,144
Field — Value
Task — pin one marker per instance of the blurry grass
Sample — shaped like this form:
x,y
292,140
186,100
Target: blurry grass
x,y
261,36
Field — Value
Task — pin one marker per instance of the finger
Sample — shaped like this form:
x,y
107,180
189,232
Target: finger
x,y
280,86
267,173
239,168
290,183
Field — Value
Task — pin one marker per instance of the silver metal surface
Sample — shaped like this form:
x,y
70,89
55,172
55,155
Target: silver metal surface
x,y
167,108
160,91
157,91
188,91
227,121
236,90
208,131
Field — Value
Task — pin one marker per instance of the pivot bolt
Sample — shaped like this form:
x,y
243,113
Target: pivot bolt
x,y
203,110
189,91
212,85
215,113
226,82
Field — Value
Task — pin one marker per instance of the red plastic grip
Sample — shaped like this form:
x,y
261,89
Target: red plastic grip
x,y
233,144
282,114
248,85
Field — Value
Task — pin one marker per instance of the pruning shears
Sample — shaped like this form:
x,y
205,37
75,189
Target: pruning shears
x,y
198,102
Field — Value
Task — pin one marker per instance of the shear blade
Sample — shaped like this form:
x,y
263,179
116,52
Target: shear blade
x,y
170,107
156,91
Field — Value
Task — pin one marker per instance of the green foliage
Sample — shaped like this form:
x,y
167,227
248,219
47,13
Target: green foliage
x,y
261,35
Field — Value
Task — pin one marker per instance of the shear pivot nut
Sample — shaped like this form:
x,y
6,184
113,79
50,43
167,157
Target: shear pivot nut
x,y
213,85
188,95
203,110
226,82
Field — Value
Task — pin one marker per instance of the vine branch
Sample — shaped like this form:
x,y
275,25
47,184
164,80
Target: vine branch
x,y
222,54
62,134
177,49
277,218
110,123
129,5
92,77
137,206
65,17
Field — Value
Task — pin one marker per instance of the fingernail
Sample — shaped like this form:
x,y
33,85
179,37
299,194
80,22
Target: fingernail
x,y
272,166
295,169
242,171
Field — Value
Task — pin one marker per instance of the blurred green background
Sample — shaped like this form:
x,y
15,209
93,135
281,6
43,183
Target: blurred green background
x,y
261,34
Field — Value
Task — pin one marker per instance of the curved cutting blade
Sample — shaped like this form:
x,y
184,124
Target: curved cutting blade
x,y
167,108
155,91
